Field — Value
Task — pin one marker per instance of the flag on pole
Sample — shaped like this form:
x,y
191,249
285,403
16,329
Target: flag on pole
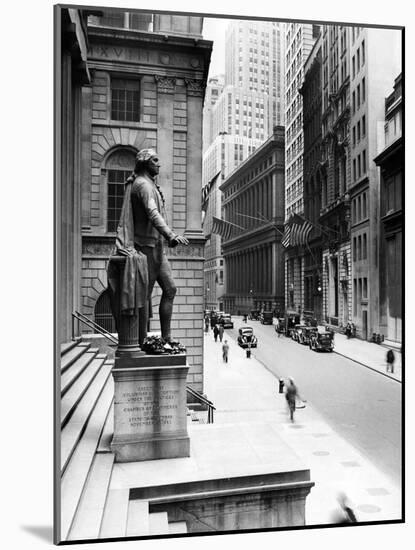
x,y
285,241
223,228
297,231
300,231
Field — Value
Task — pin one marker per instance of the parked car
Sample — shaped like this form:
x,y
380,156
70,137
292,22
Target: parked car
x,y
297,331
321,341
305,335
266,318
291,319
247,338
279,325
226,320
253,315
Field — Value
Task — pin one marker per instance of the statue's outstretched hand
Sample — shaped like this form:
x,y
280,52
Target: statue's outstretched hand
x,y
178,239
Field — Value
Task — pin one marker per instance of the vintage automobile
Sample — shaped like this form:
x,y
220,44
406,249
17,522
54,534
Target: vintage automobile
x,y
247,338
305,335
279,325
291,319
226,320
321,341
297,331
266,318
253,315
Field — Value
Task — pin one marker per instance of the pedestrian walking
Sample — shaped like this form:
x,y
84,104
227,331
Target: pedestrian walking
x,y
225,351
292,395
215,332
390,360
206,323
345,513
221,332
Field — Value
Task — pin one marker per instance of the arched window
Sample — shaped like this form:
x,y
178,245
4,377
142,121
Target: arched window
x,y
119,166
103,314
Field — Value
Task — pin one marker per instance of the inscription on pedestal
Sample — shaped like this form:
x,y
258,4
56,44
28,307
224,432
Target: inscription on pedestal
x,y
150,406
150,418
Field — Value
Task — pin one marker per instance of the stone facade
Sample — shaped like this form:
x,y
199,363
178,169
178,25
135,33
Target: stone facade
x,y
336,175
167,73
253,198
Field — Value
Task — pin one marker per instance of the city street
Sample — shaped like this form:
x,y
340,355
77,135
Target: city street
x,y
361,405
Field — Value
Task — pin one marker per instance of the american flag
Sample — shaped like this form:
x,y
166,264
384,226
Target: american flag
x,y
297,231
223,228
285,241
300,232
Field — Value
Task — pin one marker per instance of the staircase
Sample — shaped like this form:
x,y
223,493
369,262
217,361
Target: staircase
x,y
90,508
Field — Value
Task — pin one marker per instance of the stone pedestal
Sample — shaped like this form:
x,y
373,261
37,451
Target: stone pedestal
x,y
150,419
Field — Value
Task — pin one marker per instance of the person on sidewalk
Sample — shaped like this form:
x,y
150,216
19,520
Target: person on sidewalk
x,y
206,323
291,395
221,331
390,360
345,513
215,332
225,351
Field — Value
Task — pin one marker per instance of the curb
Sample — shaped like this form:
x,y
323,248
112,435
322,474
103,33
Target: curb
x,y
368,367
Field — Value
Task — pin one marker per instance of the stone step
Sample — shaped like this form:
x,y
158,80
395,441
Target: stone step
x,y
77,469
88,518
176,527
65,347
72,355
138,519
107,433
73,430
73,396
158,523
114,520
75,370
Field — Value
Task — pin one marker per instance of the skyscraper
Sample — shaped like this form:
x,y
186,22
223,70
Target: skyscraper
x,y
240,117
299,40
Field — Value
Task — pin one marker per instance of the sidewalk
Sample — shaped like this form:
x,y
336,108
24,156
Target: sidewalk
x,y
368,354
246,394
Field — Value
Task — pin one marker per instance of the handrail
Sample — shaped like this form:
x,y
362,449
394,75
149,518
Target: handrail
x,y
203,400
91,324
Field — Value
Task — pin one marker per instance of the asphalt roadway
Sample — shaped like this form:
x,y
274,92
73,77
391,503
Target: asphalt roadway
x,y
360,404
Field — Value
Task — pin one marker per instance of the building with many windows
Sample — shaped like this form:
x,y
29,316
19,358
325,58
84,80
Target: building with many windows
x,y
375,56
311,92
147,90
335,174
239,116
299,41
391,163
253,199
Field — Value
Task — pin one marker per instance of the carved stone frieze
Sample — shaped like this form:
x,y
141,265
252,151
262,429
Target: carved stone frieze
x,y
165,84
195,88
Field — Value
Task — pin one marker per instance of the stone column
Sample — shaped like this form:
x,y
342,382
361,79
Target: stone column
x,y
165,91
195,92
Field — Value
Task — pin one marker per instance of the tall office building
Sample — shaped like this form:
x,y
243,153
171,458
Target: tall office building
x,y
213,91
375,63
299,40
246,110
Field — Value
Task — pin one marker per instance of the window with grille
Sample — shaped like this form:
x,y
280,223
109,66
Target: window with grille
x,y
116,181
103,314
125,100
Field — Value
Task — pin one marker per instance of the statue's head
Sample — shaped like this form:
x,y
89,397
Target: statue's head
x,y
147,161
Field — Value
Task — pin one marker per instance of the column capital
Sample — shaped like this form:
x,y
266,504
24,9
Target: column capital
x,y
195,88
165,84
